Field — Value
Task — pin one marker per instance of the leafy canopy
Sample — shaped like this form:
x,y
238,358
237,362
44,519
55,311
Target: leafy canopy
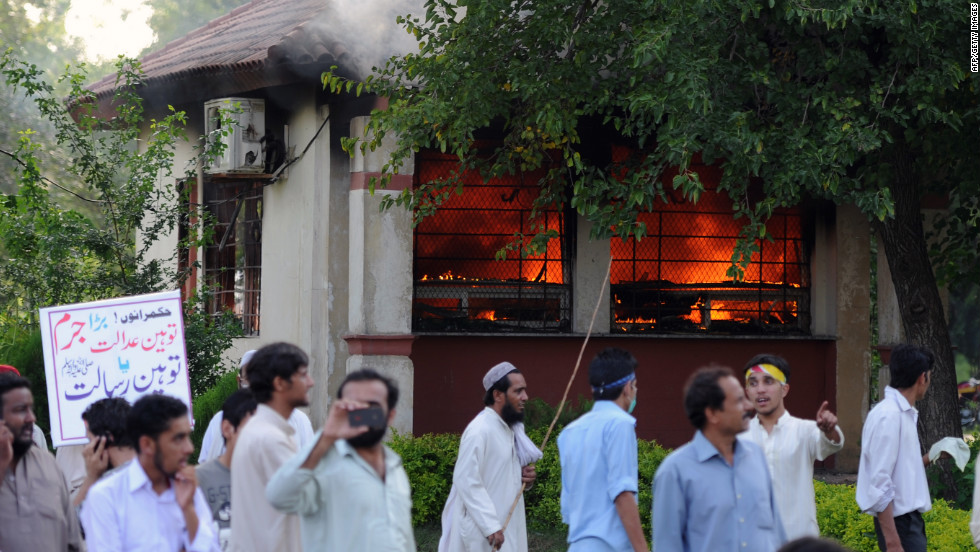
x,y
800,98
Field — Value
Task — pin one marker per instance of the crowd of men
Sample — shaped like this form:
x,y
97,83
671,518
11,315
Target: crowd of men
x,y
267,483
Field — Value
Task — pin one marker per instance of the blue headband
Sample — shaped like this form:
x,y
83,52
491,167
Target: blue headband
x,y
618,383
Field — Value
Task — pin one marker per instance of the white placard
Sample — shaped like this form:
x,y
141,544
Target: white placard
x,y
126,347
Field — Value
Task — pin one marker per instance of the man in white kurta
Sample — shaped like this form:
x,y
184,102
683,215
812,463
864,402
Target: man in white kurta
x,y
790,444
489,473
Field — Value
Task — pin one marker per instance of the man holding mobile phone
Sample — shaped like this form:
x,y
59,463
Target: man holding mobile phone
x,y
349,489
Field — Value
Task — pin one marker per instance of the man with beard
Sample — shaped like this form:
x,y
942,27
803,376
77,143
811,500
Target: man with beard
x,y
714,493
109,446
790,444
35,508
350,490
153,503
495,456
599,465
213,443
280,382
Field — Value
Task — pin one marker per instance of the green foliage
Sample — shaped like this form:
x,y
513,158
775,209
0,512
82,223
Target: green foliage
x,y
209,403
538,415
839,518
56,255
206,338
961,494
807,98
429,460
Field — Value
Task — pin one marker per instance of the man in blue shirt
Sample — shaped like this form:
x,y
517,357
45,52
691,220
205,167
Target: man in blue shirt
x,y
599,473
714,494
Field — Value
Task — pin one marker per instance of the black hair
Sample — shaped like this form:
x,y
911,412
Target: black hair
x,y
766,358
107,417
369,374
812,544
280,360
237,406
907,362
502,385
151,415
610,365
9,382
702,391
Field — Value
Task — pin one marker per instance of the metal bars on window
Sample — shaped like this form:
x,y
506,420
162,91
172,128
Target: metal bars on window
x,y
676,278
233,257
461,285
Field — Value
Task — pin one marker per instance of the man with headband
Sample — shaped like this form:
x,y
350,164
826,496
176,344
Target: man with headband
x,y
495,456
791,444
599,469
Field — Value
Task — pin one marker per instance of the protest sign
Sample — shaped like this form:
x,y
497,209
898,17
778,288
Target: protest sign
x,y
126,347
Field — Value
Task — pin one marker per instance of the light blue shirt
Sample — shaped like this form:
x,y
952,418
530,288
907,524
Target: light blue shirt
x,y
703,504
598,463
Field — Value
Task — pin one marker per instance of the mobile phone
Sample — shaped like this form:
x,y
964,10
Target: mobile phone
x,y
372,416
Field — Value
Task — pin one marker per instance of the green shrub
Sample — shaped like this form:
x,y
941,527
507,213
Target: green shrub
x,y
429,461
207,405
947,528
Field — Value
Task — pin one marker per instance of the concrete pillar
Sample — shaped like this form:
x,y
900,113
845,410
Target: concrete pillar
x,y
589,280
380,294
853,305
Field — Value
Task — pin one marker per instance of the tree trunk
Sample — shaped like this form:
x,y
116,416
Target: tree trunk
x,y
920,304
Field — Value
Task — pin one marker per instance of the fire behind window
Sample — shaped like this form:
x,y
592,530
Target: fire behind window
x,y
460,286
232,261
674,279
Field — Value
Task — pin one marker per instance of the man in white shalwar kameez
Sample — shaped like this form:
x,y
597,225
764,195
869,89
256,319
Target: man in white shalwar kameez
x,y
495,457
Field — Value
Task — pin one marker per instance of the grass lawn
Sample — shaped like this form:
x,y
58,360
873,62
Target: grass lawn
x,y
427,539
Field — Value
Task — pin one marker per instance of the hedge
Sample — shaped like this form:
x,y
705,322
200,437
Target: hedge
x,y
429,461
207,405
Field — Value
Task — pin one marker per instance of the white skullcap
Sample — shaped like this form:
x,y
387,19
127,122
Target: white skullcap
x,y
496,373
245,358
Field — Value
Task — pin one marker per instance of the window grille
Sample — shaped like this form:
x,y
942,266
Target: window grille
x,y
674,279
233,258
460,286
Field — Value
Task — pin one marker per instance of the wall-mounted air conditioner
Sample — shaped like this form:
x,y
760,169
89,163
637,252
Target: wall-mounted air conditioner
x,y
243,151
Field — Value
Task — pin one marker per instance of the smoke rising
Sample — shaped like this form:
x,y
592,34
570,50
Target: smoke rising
x,y
367,31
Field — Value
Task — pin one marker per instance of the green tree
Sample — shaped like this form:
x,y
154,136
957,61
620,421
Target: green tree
x,y
56,255
859,102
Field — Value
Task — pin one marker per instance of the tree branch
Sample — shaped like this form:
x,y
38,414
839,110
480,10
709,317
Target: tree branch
x,y
20,162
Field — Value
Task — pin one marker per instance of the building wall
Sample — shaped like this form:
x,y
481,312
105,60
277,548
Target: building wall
x,y
449,371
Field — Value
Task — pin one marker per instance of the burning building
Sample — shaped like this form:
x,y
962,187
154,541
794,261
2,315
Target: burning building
x,y
306,255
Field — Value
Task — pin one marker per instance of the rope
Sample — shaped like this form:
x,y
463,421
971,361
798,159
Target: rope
x,y
568,387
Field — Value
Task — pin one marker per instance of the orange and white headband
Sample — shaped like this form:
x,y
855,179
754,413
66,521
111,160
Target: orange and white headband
x,y
776,373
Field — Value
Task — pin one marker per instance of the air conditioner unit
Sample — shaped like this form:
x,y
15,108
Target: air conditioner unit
x,y
243,151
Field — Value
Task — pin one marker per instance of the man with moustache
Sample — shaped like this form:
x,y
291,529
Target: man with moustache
x,y
349,489
153,503
35,507
790,444
280,381
599,464
495,456
714,494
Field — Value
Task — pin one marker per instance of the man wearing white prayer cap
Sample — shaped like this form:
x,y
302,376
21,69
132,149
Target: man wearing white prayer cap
x,y
213,443
495,457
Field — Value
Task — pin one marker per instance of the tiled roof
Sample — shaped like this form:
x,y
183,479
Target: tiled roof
x,y
256,45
